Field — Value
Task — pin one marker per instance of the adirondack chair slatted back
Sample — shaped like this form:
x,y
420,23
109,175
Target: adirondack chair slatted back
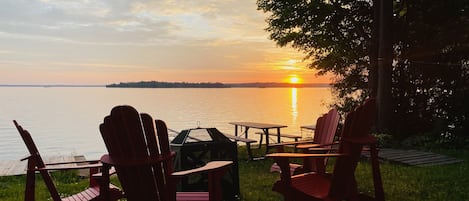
x,y
153,144
319,130
357,125
165,148
129,135
35,161
332,119
326,127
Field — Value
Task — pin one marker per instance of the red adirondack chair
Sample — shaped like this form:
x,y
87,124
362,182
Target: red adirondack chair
x,y
326,127
341,184
36,164
144,162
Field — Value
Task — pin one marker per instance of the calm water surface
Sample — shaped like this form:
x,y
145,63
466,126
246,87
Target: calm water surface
x,y
65,120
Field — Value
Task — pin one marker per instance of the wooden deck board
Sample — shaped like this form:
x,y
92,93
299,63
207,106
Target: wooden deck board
x,y
17,167
12,167
414,157
409,156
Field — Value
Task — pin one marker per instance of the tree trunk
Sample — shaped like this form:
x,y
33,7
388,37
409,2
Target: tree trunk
x,y
373,51
384,98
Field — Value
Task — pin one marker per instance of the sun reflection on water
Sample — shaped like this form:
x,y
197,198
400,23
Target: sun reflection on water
x,y
294,104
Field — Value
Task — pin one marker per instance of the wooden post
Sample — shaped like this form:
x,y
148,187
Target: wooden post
x,y
385,57
374,50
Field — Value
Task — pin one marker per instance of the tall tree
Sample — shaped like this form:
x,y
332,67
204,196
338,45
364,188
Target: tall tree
x,y
385,57
428,72
373,50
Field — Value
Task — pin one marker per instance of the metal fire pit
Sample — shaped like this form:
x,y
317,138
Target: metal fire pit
x,y
195,147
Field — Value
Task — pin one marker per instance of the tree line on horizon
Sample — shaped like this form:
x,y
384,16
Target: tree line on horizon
x,y
158,84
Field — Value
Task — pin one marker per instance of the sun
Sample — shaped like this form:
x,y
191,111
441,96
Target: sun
x,y
294,80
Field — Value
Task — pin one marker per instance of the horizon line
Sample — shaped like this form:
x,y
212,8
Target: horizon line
x,y
104,85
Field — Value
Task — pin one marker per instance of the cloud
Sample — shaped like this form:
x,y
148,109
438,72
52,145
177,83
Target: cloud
x,y
80,21
139,36
208,19
132,22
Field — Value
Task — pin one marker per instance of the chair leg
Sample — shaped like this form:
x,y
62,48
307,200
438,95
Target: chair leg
x,y
30,185
104,181
50,185
94,181
378,184
215,185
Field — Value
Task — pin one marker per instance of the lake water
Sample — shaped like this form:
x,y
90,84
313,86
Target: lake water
x,y
65,120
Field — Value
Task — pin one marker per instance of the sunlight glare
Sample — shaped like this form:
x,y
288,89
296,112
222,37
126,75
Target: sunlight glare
x,y
294,80
291,62
294,104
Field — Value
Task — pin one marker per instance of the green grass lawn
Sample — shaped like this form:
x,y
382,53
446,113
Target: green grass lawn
x,y
401,182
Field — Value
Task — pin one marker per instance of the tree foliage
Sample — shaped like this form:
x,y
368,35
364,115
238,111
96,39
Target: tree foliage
x,y
431,71
431,57
334,36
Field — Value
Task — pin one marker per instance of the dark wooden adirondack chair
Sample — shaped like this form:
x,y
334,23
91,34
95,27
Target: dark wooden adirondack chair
x,y
341,184
323,140
326,127
36,164
144,162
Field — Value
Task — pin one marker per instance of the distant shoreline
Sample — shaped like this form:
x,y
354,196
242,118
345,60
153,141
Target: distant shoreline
x,y
156,84
184,85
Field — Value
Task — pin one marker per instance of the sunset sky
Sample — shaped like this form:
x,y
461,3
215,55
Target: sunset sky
x,y
111,41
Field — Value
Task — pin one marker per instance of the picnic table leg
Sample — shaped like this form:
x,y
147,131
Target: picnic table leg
x,y
266,131
248,144
278,135
248,147
260,141
246,132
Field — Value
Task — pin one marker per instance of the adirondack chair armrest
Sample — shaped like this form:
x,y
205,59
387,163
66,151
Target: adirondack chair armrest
x,y
322,150
111,171
275,145
26,158
212,166
74,162
283,161
116,161
279,147
308,145
302,155
64,167
313,145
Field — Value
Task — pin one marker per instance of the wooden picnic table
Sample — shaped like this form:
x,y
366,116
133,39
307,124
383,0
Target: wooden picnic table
x,y
308,127
265,127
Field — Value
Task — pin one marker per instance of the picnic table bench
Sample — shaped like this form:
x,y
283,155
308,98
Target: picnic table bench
x,y
242,139
291,136
239,138
265,127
